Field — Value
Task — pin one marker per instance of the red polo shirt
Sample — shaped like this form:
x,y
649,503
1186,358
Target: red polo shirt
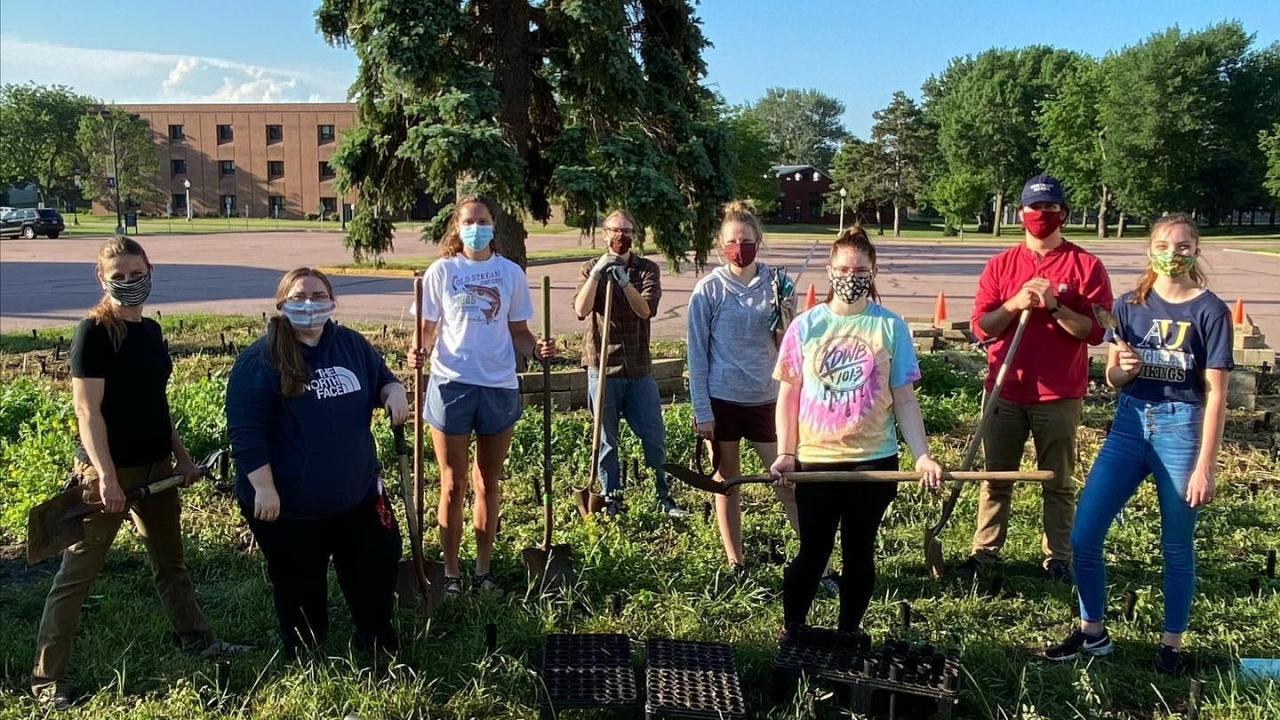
x,y
1051,364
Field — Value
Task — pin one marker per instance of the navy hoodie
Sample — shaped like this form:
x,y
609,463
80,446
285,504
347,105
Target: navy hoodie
x,y
319,444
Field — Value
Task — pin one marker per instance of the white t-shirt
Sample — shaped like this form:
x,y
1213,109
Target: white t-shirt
x,y
472,302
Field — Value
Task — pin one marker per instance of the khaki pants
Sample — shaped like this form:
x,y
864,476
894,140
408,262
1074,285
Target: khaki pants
x,y
1052,426
157,520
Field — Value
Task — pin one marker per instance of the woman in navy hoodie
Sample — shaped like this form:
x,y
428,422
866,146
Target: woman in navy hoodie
x,y
299,405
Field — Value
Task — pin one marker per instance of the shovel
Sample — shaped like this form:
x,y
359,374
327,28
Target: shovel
x,y
547,565
58,523
933,556
413,572
588,500
1109,322
710,484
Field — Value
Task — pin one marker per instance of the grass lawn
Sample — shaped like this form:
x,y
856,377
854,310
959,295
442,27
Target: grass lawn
x,y
669,579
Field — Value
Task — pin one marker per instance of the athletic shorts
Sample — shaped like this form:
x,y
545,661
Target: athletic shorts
x,y
736,422
456,408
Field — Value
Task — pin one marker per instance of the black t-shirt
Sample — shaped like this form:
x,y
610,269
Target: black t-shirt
x,y
134,404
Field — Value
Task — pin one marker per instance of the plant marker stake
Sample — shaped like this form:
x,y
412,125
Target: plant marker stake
x,y
1130,605
706,512
1255,587
904,615
615,603
1271,563
1193,701
33,334
491,638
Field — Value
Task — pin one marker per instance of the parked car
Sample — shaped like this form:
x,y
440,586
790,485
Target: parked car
x,y
29,223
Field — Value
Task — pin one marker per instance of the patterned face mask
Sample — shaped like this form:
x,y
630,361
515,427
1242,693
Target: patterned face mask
x,y
130,293
307,314
1171,264
849,289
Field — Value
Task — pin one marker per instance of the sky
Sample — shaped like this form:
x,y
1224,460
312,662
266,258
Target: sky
x,y
858,52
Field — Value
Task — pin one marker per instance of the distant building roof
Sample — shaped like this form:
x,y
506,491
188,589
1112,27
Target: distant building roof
x,y
781,170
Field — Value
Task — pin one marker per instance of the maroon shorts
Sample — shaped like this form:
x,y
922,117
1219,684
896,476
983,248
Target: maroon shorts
x,y
736,422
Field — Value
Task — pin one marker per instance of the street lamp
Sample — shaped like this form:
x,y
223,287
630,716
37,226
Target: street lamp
x,y
843,194
186,184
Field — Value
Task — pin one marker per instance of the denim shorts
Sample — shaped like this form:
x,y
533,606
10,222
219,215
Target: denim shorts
x,y
456,408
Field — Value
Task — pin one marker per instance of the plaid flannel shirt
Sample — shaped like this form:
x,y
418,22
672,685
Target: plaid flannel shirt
x,y
628,351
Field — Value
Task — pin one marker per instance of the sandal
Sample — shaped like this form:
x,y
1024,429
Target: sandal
x,y
486,583
452,587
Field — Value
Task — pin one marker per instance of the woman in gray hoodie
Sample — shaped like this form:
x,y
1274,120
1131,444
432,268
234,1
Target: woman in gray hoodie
x,y
737,313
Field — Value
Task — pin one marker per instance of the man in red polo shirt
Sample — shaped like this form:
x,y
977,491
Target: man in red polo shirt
x,y
1044,389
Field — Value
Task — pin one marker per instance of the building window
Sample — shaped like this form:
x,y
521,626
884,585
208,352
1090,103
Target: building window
x,y
275,133
328,205
175,133
178,201
227,203
324,134
225,134
326,172
275,205
177,167
275,168
226,167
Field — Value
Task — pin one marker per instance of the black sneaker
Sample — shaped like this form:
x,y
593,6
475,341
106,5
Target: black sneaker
x,y
1080,642
970,568
1059,571
1171,661
613,505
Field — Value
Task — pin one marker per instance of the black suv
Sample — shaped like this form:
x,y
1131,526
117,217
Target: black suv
x,y
29,223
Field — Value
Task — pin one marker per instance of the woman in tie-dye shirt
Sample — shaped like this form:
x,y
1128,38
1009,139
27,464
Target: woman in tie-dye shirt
x,y
846,369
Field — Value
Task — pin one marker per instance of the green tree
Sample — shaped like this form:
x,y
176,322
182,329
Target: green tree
x,y
1269,144
38,137
902,141
753,155
855,169
959,197
1072,140
804,125
591,102
984,108
117,144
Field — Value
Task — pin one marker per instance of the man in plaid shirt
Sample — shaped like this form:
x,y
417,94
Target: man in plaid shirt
x,y
631,392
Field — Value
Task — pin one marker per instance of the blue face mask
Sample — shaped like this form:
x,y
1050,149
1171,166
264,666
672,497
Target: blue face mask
x,y
476,237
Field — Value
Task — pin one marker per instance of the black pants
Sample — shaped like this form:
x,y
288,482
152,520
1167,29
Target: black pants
x,y
365,547
856,509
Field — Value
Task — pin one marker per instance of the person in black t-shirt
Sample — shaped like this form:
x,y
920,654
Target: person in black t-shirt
x,y
119,370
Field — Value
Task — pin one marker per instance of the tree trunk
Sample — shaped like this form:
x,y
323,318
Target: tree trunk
x,y
999,210
512,64
1120,225
1103,202
897,220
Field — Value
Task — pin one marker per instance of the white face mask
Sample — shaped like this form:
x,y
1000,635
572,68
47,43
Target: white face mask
x,y
307,314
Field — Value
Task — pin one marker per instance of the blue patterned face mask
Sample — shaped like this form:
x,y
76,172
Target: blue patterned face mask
x,y
476,237
307,314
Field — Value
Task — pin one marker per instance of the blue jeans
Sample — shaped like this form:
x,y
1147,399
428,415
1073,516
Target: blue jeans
x,y
1162,440
636,400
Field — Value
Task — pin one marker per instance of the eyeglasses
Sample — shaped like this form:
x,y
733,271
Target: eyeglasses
x,y
860,273
620,232
313,297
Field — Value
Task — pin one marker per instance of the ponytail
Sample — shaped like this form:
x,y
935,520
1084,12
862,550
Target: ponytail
x,y
285,356
104,313
856,239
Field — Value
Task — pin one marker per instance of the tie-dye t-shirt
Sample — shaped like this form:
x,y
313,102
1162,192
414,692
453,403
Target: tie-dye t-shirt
x,y
846,366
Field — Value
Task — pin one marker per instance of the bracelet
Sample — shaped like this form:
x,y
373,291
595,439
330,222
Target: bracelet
x,y
786,454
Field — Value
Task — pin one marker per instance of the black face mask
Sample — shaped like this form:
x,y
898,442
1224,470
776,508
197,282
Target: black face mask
x,y
130,293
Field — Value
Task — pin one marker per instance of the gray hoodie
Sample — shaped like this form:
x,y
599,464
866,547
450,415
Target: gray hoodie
x,y
731,349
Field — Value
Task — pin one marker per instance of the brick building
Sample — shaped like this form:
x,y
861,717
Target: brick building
x,y
802,191
261,159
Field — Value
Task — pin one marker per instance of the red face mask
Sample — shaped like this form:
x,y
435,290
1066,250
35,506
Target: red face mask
x,y
740,254
1041,223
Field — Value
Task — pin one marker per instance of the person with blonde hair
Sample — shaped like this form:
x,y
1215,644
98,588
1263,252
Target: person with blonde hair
x,y
737,313
630,391
1171,360
476,309
300,404
120,370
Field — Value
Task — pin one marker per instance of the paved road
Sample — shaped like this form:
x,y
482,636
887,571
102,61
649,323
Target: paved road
x,y
50,282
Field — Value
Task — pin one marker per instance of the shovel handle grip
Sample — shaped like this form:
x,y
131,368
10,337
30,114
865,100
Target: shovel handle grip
x,y
158,486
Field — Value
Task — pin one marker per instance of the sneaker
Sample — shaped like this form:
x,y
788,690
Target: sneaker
x,y
970,569
452,588
53,698
221,650
1171,661
829,585
672,510
613,505
739,571
1059,571
1080,642
486,584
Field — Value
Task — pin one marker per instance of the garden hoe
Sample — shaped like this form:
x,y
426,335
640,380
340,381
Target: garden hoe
x,y
933,556
588,500
58,523
548,565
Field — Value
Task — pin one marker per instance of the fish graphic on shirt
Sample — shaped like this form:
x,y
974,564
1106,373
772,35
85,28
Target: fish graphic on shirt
x,y
489,295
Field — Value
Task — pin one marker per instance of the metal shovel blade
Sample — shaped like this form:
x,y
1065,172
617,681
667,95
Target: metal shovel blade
x,y
56,524
933,556
549,570
695,479
588,502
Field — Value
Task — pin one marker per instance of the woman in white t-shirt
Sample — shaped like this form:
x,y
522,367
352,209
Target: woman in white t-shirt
x,y
475,312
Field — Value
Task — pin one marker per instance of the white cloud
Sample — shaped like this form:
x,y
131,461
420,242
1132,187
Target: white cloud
x,y
137,76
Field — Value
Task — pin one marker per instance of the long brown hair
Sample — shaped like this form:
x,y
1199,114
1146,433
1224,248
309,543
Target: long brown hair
x,y
855,238
451,243
741,211
282,341
104,313
1148,278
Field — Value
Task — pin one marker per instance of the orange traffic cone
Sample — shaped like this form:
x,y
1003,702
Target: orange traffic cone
x,y
1237,316
940,310
810,298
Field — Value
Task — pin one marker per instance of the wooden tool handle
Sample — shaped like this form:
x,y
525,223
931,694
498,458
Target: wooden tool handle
x,y
907,476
